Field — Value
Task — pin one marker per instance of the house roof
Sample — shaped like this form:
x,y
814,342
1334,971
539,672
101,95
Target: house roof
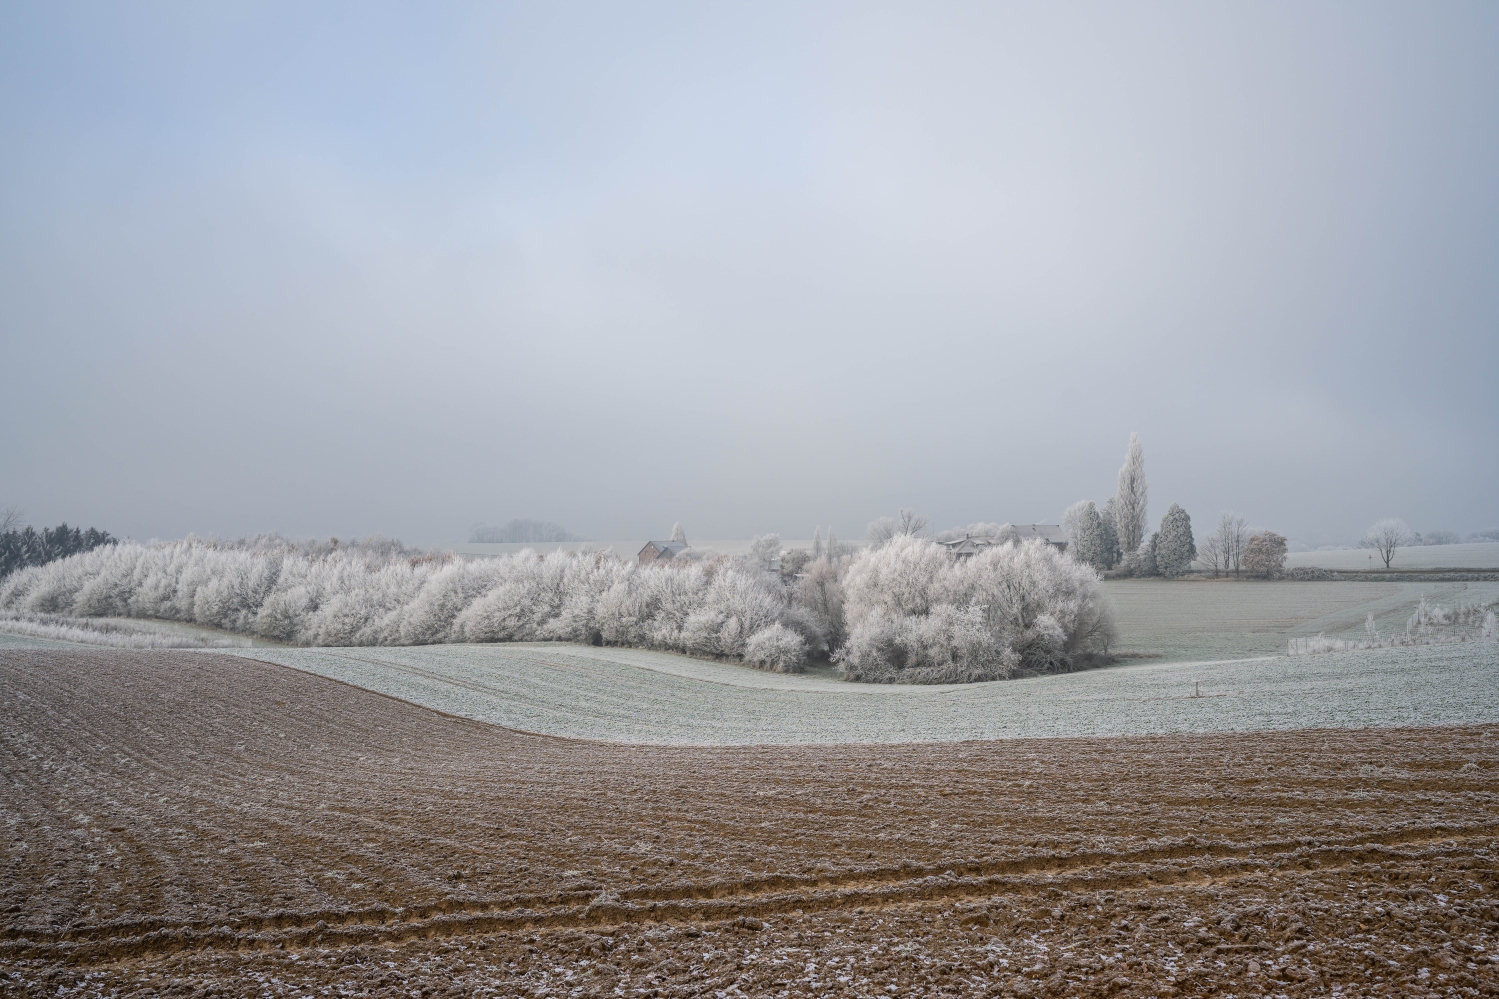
x,y
674,548
967,544
1050,533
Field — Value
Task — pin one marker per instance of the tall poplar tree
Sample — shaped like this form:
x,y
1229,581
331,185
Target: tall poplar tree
x,y
1130,501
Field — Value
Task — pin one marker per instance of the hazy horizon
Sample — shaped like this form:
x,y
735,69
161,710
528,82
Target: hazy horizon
x,y
382,269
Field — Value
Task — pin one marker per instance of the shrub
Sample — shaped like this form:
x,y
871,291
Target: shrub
x,y
917,615
776,648
1265,554
1141,562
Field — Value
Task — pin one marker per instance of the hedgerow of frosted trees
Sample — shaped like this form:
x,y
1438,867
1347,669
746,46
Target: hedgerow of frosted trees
x,y
352,597
905,610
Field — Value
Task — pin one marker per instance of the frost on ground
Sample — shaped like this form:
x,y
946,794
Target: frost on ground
x,y
114,632
1473,555
658,698
1431,624
1232,619
183,823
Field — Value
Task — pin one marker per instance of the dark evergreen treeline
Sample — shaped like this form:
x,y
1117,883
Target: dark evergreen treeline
x,y
19,549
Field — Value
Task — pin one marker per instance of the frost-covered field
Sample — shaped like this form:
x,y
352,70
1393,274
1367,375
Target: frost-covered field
x,y
1225,639
16,628
1229,619
665,699
1481,555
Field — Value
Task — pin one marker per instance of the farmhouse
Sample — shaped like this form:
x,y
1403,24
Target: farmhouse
x,y
661,551
968,546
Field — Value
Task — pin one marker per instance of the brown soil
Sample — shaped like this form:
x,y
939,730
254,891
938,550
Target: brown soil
x,y
190,824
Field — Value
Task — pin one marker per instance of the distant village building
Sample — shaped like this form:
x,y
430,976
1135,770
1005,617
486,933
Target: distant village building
x,y
662,551
968,546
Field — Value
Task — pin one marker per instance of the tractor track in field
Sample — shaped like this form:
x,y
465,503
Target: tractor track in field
x,y
863,890
216,823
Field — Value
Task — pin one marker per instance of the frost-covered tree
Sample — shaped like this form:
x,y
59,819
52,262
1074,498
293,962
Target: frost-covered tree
x,y
1384,536
1129,505
765,549
1438,538
908,524
1086,540
982,529
917,615
1174,548
677,534
1265,554
1112,553
350,595
1222,550
521,531
793,561
819,592
817,542
1141,562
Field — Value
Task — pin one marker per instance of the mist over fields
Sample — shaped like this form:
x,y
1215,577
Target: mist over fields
x,y
408,270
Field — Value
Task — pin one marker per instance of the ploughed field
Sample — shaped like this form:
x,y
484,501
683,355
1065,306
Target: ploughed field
x,y
189,823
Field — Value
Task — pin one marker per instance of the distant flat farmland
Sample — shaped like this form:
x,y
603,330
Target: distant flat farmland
x,y
1474,556
624,549
1201,618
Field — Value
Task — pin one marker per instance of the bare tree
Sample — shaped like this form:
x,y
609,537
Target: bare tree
x,y
1210,554
1130,501
1235,536
1223,550
1385,536
10,518
909,523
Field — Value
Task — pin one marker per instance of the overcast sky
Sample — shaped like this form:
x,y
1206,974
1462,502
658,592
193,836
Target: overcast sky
x,y
756,268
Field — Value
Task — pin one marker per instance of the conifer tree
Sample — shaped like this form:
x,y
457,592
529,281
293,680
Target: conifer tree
x,y
1111,550
1085,535
1175,548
